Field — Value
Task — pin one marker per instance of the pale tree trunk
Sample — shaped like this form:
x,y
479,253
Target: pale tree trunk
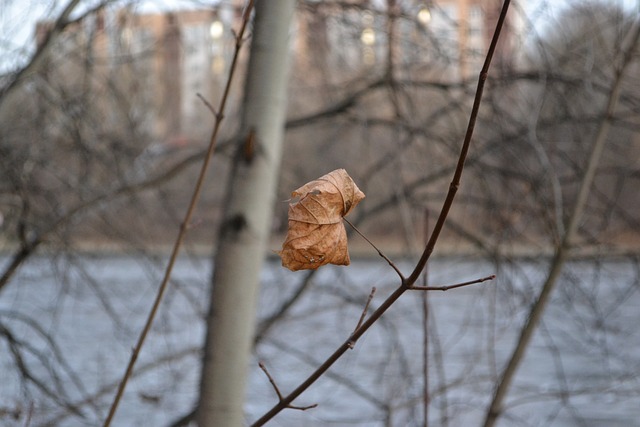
x,y
248,216
562,251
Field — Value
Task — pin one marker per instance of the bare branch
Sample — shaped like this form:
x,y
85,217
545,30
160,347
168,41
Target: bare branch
x,y
277,390
447,287
207,104
364,312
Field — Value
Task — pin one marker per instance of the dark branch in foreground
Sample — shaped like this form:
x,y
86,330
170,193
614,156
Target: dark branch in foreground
x,y
458,285
405,283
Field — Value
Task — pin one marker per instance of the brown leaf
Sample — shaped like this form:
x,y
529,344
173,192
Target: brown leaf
x,y
316,234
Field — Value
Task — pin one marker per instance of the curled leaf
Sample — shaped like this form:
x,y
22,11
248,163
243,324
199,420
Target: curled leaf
x,y
316,234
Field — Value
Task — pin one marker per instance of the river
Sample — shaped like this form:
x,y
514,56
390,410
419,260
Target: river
x,y
70,325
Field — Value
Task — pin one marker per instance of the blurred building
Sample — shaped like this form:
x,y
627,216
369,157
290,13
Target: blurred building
x,y
188,53
467,26
164,60
451,36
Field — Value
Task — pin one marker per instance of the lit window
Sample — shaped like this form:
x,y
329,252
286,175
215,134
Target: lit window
x,y
368,36
216,30
424,16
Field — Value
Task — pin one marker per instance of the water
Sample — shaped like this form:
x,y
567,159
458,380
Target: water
x,y
72,324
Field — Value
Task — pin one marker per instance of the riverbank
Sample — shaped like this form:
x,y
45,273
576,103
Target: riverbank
x,y
358,249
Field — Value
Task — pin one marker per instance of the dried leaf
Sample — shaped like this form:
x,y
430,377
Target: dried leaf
x,y
316,234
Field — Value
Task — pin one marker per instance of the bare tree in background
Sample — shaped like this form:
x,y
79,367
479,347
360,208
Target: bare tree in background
x,y
569,236
78,168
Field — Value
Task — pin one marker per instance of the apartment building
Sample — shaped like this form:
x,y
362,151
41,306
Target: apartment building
x,y
168,60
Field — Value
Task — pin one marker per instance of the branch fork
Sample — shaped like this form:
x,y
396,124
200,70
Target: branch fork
x,y
277,390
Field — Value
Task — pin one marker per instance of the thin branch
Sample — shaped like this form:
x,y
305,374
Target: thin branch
x,y
447,287
277,390
271,319
187,219
207,104
376,248
273,383
96,396
56,355
426,398
29,246
350,384
19,349
365,310
338,108
27,421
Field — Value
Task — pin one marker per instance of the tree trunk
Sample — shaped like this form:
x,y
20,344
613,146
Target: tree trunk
x,y
245,229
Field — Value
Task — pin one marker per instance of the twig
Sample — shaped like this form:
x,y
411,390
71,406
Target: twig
x,y
351,384
364,311
273,383
425,332
447,287
185,223
271,319
207,104
27,421
406,283
376,248
277,390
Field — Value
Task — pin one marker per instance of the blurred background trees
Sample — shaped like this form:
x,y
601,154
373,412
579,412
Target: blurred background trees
x,y
99,144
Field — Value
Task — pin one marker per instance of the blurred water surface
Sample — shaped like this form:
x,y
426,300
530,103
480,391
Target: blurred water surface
x,y
69,325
